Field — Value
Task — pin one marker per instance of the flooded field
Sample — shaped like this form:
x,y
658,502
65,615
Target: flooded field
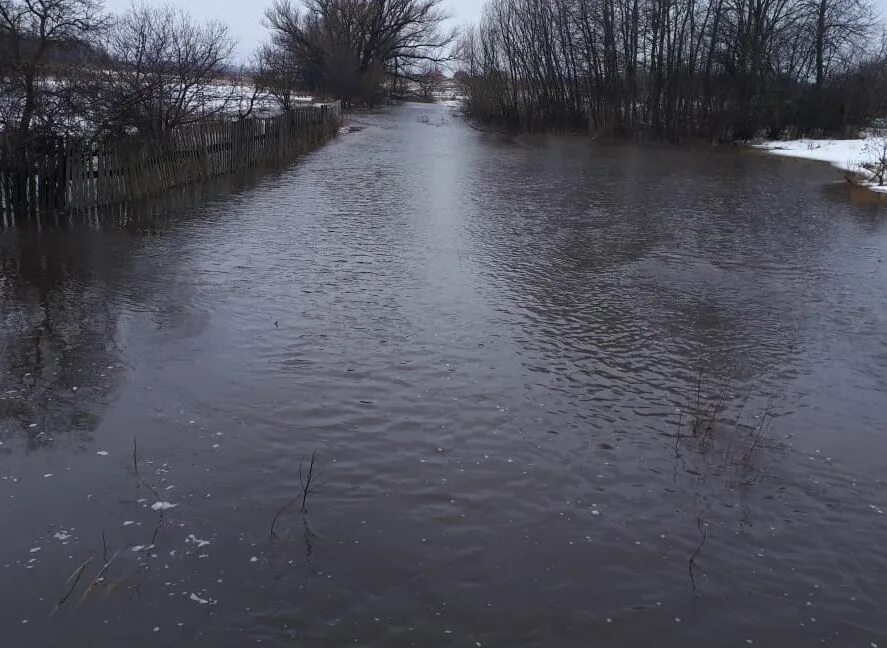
x,y
562,393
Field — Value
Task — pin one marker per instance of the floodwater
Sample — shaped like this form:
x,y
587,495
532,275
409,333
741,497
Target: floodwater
x,y
499,349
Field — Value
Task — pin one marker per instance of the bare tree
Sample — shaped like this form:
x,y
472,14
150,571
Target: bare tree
x,y
41,41
427,81
838,29
347,48
166,71
277,72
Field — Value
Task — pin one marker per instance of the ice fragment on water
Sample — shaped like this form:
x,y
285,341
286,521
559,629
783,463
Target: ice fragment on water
x,y
197,541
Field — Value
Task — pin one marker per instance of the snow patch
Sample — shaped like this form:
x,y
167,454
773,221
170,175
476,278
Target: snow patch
x,y
847,154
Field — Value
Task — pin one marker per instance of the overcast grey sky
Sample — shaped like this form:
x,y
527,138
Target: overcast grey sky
x,y
244,16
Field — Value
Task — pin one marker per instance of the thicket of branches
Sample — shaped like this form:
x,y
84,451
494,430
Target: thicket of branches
x,y
67,67
353,50
720,69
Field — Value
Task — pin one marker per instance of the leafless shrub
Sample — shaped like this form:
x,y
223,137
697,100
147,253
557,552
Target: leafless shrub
x,y
876,163
165,70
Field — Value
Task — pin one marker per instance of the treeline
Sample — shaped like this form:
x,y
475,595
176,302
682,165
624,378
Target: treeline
x,y
719,69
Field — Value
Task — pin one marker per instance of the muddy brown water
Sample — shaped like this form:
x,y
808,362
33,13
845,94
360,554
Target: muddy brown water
x,y
491,342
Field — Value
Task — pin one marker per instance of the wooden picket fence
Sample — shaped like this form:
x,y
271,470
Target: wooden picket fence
x,y
52,174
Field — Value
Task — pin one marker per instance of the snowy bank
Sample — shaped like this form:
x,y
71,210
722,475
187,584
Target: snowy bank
x,y
858,157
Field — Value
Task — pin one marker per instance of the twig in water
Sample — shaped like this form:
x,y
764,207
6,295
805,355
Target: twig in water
x,y
135,457
677,438
306,488
141,480
160,511
737,424
308,537
278,514
306,482
700,523
709,428
104,547
75,577
698,401
157,528
98,577
759,435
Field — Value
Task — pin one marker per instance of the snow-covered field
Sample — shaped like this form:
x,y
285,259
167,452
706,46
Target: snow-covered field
x,y
851,155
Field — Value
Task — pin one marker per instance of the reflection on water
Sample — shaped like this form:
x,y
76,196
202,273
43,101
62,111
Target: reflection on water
x,y
495,346
58,338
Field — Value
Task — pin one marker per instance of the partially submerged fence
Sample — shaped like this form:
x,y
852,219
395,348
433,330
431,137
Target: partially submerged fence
x,y
57,173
